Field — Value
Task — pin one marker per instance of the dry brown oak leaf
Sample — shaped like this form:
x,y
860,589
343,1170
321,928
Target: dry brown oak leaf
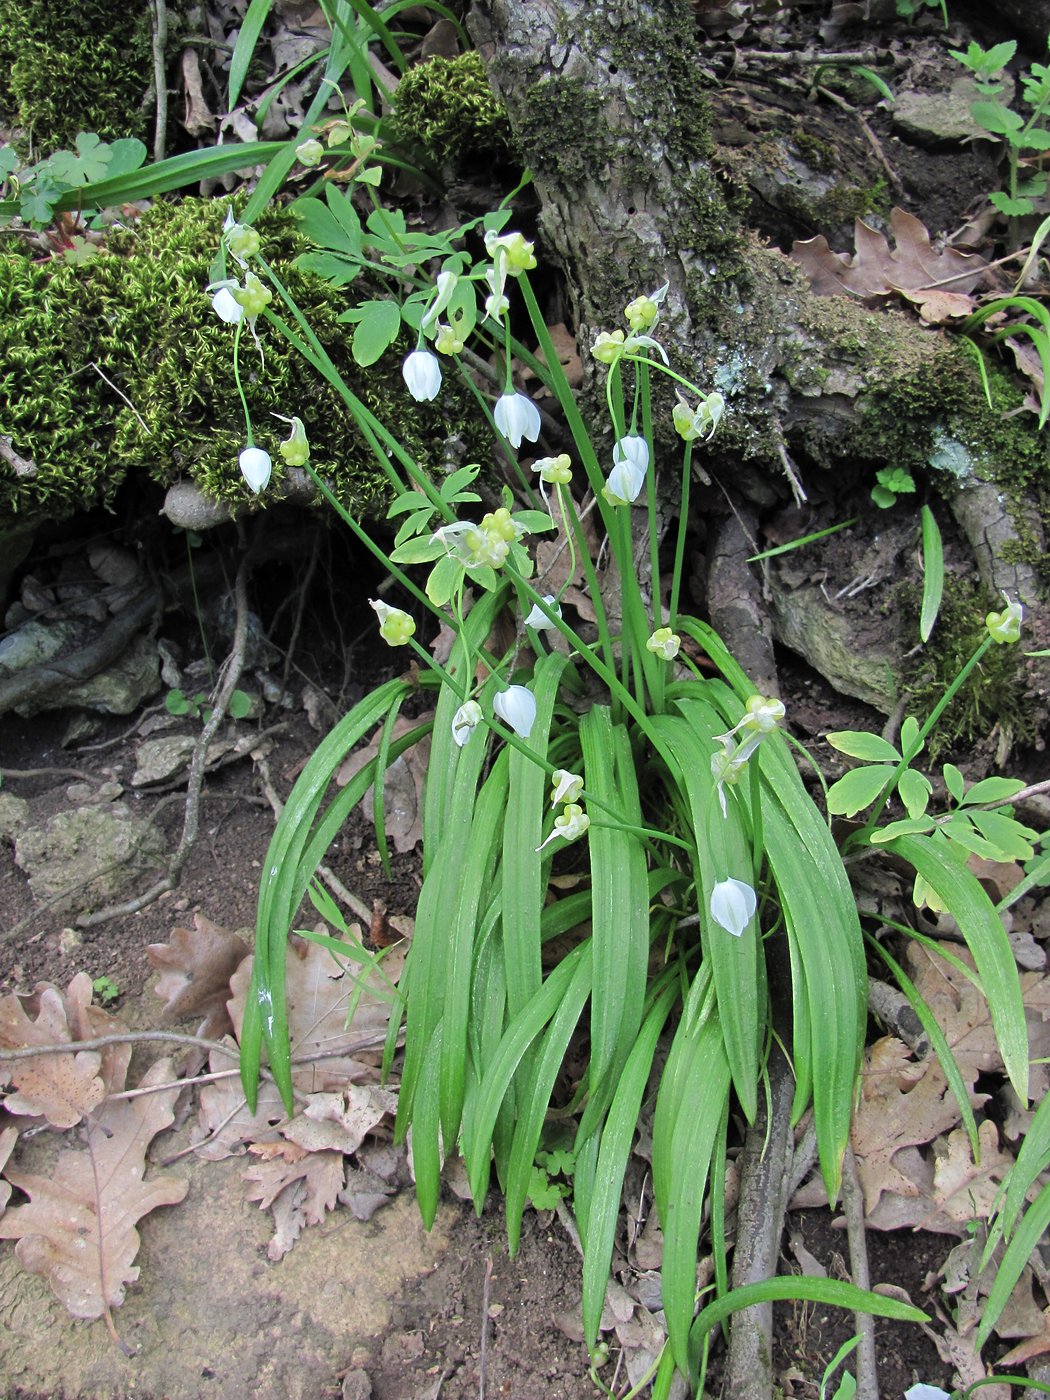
x,y
195,968
874,271
78,1229
62,1088
300,1186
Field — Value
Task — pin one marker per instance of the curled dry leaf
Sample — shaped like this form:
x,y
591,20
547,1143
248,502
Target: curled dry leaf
x,y
340,1122
875,272
195,968
8,1138
78,1229
299,1192
62,1088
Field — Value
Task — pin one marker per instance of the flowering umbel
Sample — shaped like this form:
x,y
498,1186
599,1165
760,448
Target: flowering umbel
x,y
761,717
571,825
664,643
296,448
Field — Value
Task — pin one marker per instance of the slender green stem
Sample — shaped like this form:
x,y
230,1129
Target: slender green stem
x,y
237,381
683,528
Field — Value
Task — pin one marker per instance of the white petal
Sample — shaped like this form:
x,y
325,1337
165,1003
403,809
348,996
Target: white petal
x,y
922,1391
539,619
632,449
465,721
421,371
226,307
517,417
733,905
516,706
255,467
625,481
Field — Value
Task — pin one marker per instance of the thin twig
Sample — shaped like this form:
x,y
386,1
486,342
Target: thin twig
x,y
47,773
872,139
853,1206
101,1042
21,466
160,77
866,56
114,387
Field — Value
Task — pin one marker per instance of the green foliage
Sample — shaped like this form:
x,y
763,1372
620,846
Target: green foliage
x,y
77,67
700,847
908,9
447,107
1025,140
892,482
177,702
38,188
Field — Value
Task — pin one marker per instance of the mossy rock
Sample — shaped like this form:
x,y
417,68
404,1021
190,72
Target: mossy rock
x,y
64,69
167,408
447,106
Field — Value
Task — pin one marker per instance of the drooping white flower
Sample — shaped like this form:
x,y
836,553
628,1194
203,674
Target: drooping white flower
x,y
538,619
517,417
567,786
516,706
225,304
255,467
445,286
922,1391
421,371
733,905
623,484
465,721
571,825
632,449
700,422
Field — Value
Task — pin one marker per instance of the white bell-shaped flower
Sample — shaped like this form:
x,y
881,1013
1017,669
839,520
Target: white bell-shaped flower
x,y
517,417
538,619
255,467
516,706
421,371
733,905
226,306
465,721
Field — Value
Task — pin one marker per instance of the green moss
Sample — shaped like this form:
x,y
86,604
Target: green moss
x,y
447,106
139,312
83,66
557,106
995,695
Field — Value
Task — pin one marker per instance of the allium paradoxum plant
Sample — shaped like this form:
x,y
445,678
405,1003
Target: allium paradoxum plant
x,y
666,786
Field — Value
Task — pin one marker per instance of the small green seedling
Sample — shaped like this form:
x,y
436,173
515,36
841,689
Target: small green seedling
x,y
892,482
908,9
105,989
177,702
544,1192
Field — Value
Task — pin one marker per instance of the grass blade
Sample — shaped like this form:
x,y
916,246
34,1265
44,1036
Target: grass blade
x,y
1018,1253
932,573
251,27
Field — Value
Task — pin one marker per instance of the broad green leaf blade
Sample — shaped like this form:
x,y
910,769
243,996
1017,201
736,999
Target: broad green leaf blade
x,y
1018,1252
932,573
820,916
857,789
687,742
378,323
473,873
281,890
535,1094
520,1034
1031,1163
963,896
704,1090
426,1149
938,1043
620,907
603,1202
523,864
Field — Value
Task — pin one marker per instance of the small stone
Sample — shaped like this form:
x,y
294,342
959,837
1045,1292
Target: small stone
x,y
357,1386
69,940
158,759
